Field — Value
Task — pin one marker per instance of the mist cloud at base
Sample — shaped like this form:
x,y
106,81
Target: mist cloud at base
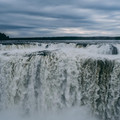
x,y
82,113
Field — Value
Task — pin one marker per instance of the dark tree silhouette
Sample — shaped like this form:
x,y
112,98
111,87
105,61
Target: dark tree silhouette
x,y
3,36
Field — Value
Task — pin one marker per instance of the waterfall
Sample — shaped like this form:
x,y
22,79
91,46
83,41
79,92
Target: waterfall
x,y
53,77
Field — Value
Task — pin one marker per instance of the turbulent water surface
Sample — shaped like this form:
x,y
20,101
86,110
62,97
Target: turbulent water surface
x,y
60,81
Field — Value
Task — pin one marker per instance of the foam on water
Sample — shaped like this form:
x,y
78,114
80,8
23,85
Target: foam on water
x,y
98,50
43,79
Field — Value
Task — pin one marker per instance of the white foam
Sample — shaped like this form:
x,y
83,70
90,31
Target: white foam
x,y
91,51
55,75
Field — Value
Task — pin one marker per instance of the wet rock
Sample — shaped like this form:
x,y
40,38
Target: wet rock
x,y
42,53
80,45
114,50
46,46
107,49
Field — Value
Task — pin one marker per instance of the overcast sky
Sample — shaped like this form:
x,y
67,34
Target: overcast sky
x,y
60,17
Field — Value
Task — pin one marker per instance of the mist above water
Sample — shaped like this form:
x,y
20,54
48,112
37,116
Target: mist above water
x,y
75,113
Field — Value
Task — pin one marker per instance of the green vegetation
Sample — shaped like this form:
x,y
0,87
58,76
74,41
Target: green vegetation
x,y
3,36
68,38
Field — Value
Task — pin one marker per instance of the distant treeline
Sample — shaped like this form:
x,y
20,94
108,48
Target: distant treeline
x,y
5,37
68,38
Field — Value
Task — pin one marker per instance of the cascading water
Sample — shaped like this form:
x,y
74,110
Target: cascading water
x,y
49,77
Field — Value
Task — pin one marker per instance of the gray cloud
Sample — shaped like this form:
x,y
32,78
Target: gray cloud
x,y
59,17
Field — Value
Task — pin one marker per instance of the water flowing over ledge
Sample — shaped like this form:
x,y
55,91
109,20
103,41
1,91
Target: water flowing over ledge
x,y
38,77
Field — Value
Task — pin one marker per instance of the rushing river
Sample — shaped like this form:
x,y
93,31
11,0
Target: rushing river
x,y
60,81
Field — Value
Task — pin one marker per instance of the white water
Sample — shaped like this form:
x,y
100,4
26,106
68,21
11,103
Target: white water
x,y
61,79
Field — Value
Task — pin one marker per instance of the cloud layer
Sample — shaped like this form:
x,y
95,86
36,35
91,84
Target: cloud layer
x,y
60,17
